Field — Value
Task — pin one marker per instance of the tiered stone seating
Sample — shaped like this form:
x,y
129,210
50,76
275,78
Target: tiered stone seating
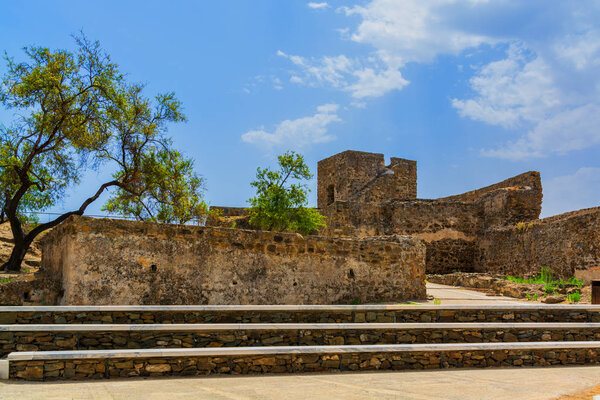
x,y
70,342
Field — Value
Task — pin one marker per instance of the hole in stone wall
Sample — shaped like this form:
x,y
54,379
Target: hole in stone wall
x,y
330,194
153,268
26,295
295,283
351,273
234,282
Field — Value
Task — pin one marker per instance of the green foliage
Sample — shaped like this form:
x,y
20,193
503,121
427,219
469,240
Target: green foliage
x,y
279,204
574,297
532,298
166,190
549,288
437,302
76,112
546,278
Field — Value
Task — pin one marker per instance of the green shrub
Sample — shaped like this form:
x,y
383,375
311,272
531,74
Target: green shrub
x,y
279,205
574,297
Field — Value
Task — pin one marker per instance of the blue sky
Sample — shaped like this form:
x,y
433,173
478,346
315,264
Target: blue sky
x,y
476,91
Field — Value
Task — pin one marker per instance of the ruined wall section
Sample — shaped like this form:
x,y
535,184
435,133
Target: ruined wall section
x,y
513,200
449,228
364,177
567,244
127,262
396,181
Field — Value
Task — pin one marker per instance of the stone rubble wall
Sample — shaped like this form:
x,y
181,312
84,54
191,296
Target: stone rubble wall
x,y
361,176
567,244
451,227
54,341
530,314
296,363
126,262
530,180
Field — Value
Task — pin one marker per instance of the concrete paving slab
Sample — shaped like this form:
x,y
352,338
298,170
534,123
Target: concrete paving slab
x,y
452,295
480,384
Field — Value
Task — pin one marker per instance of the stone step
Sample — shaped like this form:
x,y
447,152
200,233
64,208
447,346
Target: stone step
x,y
98,364
122,336
297,313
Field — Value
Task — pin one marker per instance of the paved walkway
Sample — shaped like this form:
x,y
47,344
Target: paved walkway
x,y
479,384
452,295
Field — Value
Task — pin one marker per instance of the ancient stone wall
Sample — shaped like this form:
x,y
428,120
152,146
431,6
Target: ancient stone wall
x,y
126,262
527,180
299,314
567,244
449,228
360,176
333,361
146,338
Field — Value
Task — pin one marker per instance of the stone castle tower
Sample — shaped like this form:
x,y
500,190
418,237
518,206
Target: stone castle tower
x,y
364,177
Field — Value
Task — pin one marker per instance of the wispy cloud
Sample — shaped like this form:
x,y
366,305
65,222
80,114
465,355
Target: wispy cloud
x,y
299,132
318,5
545,89
361,78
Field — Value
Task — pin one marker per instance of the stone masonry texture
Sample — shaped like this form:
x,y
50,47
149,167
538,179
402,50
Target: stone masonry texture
x,y
545,314
494,229
295,363
99,340
124,262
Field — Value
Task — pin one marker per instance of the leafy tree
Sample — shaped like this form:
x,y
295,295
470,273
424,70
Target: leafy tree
x,y
167,190
279,204
76,112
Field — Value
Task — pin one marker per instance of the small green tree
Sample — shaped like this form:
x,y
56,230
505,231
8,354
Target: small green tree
x,y
77,112
280,204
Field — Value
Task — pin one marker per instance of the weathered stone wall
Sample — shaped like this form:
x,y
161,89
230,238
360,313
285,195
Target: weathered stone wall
x,y
527,180
382,314
126,262
567,244
295,363
360,176
240,337
449,228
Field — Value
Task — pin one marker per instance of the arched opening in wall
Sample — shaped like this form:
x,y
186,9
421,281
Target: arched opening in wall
x,y
330,194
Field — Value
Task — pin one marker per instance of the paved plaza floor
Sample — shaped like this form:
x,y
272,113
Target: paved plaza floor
x,y
478,384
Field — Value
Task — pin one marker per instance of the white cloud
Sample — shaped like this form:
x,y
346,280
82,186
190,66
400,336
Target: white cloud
x,y
512,91
414,30
318,5
375,83
544,92
371,80
565,131
553,101
325,71
397,32
572,192
277,83
299,132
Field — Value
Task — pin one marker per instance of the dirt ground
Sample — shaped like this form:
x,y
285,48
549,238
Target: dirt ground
x,y
583,395
30,264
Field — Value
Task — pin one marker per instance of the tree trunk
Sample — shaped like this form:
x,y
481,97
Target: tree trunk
x,y
18,254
